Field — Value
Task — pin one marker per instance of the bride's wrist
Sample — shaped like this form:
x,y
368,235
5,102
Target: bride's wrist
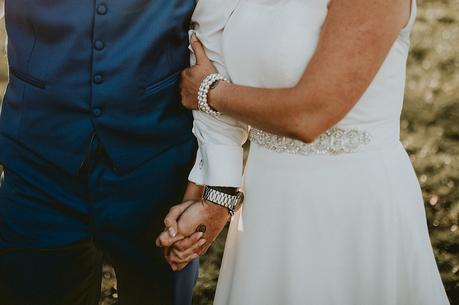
x,y
208,86
215,95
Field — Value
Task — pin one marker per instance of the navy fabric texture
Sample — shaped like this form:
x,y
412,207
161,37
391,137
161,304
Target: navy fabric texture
x,y
112,67
44,210
94,141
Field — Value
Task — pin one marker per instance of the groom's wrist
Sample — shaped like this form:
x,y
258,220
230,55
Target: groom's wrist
x,y
225,189
228,197
193,191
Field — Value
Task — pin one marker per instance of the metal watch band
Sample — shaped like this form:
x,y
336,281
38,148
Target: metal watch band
x,y
225,189
231,202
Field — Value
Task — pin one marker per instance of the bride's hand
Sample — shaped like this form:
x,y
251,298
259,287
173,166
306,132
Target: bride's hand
x,y
192,77
181,240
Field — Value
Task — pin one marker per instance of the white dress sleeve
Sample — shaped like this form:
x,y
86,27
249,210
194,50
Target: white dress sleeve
x,y
219,159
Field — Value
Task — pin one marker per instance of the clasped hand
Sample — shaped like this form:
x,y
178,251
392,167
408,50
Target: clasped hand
x,y
180,240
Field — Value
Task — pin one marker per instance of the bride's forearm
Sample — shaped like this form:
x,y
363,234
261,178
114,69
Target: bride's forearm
x,y
285,111
352,47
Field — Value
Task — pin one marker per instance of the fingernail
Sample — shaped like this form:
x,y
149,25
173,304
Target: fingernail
x,y
199,235
172,232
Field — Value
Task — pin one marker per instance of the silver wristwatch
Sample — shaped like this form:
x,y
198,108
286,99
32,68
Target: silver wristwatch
x,y
231,202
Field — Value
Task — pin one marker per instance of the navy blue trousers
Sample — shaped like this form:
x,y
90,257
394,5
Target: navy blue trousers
x,y
56,229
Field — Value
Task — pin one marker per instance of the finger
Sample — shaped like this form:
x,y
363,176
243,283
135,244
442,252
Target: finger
x,y
198,50
185,254
173,266
178,267
174,213
174,259
165,240
189,242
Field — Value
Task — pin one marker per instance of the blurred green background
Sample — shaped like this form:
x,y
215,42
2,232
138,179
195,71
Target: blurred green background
x,y
430,133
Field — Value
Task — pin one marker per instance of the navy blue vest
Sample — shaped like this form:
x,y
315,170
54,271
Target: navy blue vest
x,y
110,68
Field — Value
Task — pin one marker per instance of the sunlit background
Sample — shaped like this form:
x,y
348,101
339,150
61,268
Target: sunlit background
x,y
430,132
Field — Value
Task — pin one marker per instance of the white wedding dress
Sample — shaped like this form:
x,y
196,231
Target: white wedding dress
x,y
338,222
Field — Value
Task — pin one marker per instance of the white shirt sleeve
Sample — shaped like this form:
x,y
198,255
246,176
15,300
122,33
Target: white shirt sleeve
x,y
219,159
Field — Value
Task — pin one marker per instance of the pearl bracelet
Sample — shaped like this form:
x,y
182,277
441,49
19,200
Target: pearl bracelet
x,y
204,92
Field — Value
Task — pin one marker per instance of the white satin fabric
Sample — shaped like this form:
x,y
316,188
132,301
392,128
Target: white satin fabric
x,y
220,155
345,229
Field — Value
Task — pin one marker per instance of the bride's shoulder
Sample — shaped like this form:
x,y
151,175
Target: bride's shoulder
x,y
215,6
214,10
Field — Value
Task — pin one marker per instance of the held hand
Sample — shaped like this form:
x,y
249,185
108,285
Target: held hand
x,y
179,251
192,77
193,193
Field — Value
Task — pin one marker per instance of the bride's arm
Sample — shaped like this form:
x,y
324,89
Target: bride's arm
x,y
355,39
219,157
220,153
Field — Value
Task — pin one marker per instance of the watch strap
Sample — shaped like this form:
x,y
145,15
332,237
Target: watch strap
x,y
231,202
225,189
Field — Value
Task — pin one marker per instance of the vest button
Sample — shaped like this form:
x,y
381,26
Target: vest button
x,y
102,9
99,45
96,112
98,79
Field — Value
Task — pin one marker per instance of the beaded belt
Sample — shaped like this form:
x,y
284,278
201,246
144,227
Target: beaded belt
x,y
333,142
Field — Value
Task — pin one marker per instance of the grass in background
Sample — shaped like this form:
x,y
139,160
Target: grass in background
x,y
430,133
430,128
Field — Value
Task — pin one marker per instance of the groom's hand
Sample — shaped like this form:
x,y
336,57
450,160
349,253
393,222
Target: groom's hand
x,y
193,193
181,241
